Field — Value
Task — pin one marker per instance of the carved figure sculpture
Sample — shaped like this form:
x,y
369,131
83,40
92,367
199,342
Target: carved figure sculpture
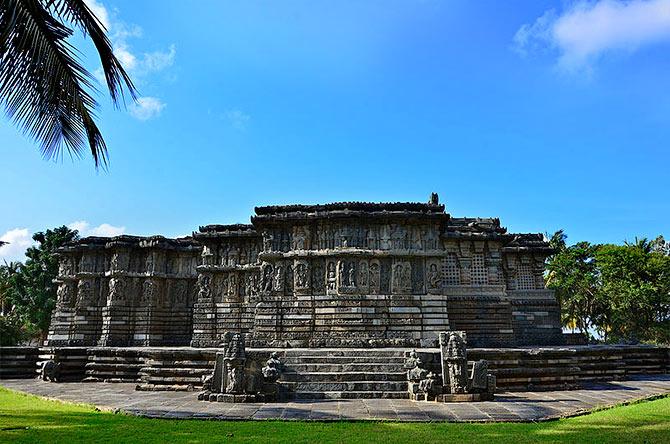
x,y
86,264
363,274
65,267
434,278
64,294
267,278
149,263
479,378
352,275
148,293
413,364
204,287
279,279
457,363
207,382
232,285
181,293
50,371
207,255
428,384
374,277
272,368
417,373
481,383
267,241
117,291
301,279
299,238
234,358
411,361
332,276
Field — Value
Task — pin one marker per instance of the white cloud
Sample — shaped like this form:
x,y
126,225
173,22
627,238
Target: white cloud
x,y
100,12
84,228
140,66
587,30
147,108
127,58
236,118
158,60
18,240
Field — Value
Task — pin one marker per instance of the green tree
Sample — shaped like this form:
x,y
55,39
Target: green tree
x,y
33,292
11,326
7,272
44,88
571,272
635,280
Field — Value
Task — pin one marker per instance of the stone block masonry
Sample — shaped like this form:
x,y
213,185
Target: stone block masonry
x,y
349,274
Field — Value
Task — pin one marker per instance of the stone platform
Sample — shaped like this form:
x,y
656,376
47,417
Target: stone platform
x,y
508,406
341,373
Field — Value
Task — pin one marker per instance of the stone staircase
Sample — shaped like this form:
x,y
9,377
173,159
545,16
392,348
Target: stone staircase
x,y
344,373
113,364
175,369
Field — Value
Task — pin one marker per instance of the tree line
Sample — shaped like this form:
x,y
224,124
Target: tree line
x,y
612,293
28,290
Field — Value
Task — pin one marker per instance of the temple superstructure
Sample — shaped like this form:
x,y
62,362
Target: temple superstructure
x,y
349,274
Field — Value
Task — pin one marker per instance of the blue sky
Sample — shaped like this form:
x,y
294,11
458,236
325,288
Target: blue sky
x,y
546,114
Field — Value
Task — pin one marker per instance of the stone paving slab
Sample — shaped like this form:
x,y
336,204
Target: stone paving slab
x,y
509,406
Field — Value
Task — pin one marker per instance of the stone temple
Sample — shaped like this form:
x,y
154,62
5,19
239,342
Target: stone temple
x,y
350,274
343,300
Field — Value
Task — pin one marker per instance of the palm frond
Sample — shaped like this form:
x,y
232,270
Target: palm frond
x,y
43,86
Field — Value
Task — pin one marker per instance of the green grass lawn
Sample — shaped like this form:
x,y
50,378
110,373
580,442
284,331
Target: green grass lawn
x,y
26,418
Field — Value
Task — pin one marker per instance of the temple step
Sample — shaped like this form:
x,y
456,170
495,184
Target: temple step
x,y
290,376
340,368
343,359
367,353
351,386
352,395
344,373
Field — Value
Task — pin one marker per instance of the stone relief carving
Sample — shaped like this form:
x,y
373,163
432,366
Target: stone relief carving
x,y
456,360
234,358
363,274
87,264
268,274
318,277
150,263
232,290
181,293
148,293
66,266
204,287
434,276
301,275
64,294
300,236
375,276
331,278
120,261
401,277
207,255
272,369
117,292
278,285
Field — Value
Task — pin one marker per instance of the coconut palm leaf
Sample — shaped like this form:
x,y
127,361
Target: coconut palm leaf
x,y
43,86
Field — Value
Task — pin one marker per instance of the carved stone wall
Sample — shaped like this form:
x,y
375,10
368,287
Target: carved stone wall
x,y
344,274
228,283
125,290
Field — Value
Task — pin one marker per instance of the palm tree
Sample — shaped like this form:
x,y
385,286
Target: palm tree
x,y
6,272
43,86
